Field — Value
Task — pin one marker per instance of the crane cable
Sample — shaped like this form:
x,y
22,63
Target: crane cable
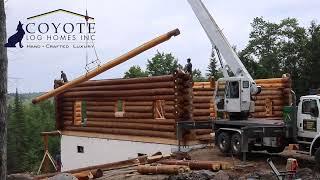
x,y
97,60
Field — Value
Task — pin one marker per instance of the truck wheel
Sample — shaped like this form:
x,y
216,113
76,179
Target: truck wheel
x,y
224,142
317,157
275,149
236,144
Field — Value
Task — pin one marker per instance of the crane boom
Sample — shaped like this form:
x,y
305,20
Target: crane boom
x,y
237,96
218,40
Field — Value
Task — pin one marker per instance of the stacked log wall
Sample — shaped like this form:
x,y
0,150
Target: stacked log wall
x,y
137,97
203,106
275,94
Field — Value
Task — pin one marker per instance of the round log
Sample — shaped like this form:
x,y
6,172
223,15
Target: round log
x,y
169,109
272,97
203,89
274,85
272,80
123,125
142,121
203,93
201,100
170,115
100,114
138,108
120,93
98,103
150,85
134,98
201,105
104,67
68,117
67,104
139,115
139,103
66,108
265,92
169,103
201,83
105,82
132,132
67,113
193,164
162,169
101,108
201,112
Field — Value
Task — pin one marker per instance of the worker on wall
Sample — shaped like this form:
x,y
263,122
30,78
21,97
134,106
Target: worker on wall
x,y
64,77
188,67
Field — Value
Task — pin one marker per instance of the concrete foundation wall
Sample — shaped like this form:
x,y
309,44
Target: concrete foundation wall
x,y
100,151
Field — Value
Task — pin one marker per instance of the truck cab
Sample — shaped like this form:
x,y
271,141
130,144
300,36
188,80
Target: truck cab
x,y
235,97
308,124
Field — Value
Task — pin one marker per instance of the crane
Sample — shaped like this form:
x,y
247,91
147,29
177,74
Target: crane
x,y
239,89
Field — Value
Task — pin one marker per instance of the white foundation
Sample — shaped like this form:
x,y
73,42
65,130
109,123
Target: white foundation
x,y
101,151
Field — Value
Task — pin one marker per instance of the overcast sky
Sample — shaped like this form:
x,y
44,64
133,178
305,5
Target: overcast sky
x,y
121,25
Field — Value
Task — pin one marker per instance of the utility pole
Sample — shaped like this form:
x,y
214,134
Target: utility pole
x,y
3,93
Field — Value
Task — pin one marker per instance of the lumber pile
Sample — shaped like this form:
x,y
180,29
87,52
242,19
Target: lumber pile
x,y
155,164
274,95
147,106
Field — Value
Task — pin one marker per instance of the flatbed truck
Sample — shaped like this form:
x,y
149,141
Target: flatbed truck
x,y
300,125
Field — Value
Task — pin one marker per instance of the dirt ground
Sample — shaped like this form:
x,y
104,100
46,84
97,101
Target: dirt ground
x,y
255,166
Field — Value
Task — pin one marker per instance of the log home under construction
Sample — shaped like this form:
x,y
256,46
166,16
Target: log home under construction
x,y
123,117
105,121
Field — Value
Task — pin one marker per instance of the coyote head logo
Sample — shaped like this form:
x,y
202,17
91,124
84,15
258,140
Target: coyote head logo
x,y
16,38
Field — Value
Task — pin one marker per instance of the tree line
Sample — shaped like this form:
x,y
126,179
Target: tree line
x,y
25,122
273,49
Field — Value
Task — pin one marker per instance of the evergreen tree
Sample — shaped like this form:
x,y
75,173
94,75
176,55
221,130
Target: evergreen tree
x,y
13,162
20,130
212,70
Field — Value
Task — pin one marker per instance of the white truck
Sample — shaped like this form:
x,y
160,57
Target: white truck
x,y
240,134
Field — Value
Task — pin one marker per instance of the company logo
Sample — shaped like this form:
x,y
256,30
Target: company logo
x,y
16,38
72,31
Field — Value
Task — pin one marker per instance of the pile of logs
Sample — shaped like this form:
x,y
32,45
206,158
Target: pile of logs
x,y
147,106
274,95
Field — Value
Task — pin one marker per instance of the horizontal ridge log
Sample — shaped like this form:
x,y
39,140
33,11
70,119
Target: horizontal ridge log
x,y
150,85
122,93
144,121
135,132
127,81
134,98
123,125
